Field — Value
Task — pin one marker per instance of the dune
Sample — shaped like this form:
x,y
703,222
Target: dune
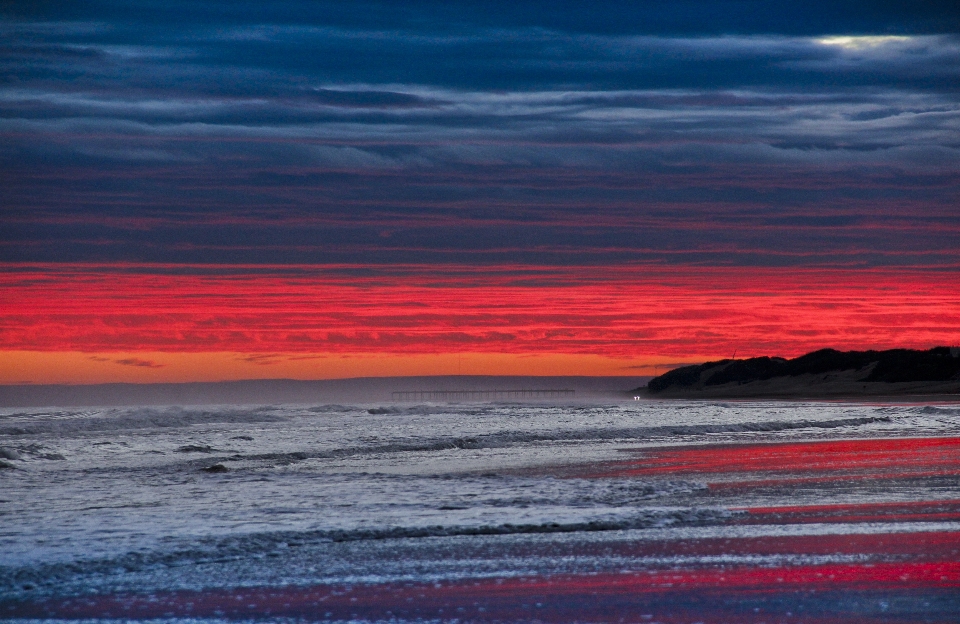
x,y
825,374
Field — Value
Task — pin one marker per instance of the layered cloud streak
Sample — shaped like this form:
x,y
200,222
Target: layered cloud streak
x,y
333,138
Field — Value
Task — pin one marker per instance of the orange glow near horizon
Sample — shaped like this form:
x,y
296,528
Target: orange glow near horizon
x,y
90,323
31,367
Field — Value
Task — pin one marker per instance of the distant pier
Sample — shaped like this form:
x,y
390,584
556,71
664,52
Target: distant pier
x,y
482,395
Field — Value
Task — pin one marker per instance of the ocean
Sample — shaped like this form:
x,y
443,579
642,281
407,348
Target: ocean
x,y
584,510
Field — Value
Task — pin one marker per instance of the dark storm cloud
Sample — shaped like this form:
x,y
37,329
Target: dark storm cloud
x,y
313,132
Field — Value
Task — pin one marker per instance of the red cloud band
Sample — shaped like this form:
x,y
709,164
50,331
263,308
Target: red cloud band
x,y
610,311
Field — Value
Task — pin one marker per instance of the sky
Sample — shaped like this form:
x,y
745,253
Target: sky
x,y
232,190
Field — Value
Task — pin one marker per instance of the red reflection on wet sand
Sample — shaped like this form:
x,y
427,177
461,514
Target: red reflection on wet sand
x,y
709,594
893,457
910,511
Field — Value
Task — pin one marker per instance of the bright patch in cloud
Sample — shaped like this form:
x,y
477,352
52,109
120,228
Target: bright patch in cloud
x,y
862,42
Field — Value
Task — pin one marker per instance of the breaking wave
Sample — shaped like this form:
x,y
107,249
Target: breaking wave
x,y
512,438
139,418
932,410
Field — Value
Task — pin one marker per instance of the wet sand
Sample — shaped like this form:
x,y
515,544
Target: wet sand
x,y
914,591
896,560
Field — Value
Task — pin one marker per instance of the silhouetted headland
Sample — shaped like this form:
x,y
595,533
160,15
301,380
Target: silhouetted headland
x,y
825,373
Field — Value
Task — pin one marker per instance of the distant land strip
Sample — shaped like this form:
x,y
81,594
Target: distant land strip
x,y
356,390
481,395
827,373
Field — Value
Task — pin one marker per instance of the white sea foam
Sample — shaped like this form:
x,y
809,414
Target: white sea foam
x,y
96,491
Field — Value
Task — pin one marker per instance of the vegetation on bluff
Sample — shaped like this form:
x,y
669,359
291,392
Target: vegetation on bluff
x,y
892,366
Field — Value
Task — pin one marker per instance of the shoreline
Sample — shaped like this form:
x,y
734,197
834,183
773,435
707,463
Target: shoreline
x,y
804,398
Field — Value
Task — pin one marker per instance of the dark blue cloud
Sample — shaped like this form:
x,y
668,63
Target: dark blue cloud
x,y
479,132
667,17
